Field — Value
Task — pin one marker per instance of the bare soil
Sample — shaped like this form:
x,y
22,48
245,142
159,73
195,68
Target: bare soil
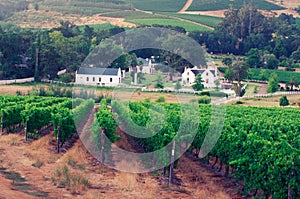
x,y
186,6
51,19
286,3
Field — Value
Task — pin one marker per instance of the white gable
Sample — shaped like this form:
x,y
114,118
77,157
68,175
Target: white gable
x,y
208,75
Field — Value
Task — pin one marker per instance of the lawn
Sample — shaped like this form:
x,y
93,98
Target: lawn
x,y
207,5
206,20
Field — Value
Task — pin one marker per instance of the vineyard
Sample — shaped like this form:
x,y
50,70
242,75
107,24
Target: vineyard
x,y
206,5
35,114
258,146
158,5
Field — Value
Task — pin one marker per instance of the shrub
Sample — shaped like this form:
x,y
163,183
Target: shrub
x,y
213,93
239,102
284,101
160,99
38,164
204,100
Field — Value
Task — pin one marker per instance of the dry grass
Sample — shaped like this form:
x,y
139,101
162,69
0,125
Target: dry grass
x,y
41,150
51,19
271,101
12,89
11,139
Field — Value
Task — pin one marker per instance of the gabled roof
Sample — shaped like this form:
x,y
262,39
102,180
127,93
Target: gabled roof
x,y
144,61
201,71
213,72
98,71
196,72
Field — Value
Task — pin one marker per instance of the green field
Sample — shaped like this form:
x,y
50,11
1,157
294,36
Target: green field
x,y
206,20
130,15
158,5
283,76
170,22
206,5
142,18
82,7
105,26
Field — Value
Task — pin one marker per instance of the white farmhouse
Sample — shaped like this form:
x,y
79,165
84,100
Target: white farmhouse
x,y
98,76
208,75
145,66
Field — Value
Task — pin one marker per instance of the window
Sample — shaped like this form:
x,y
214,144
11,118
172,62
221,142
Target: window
x,y
206,74
99,79
110,79
93,79
87,79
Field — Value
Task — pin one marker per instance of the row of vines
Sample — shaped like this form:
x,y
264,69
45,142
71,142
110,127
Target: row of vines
x,y
259,147
33,114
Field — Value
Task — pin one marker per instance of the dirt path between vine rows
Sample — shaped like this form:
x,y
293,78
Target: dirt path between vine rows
x,y
20,177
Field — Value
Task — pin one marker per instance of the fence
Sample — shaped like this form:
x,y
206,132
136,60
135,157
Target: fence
x,y
16,81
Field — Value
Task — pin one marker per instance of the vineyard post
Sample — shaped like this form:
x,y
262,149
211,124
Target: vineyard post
x,y
172,164
102,145
26,131
2,123
58,137
290,196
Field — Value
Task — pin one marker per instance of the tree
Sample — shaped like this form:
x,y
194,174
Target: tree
x,y
254,58
178,51
141,77
198,86
296,54
263,75
227,61
284,101
273,83
298,9
177,86
271,61
244,22
159,83
292,83
237,72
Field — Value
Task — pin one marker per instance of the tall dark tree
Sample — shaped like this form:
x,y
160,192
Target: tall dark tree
x,y
237,72
198,84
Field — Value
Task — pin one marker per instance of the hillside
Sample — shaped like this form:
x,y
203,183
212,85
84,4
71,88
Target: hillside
x,y
49,13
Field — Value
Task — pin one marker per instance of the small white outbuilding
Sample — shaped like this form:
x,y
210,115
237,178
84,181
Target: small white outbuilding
x,y
98,76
